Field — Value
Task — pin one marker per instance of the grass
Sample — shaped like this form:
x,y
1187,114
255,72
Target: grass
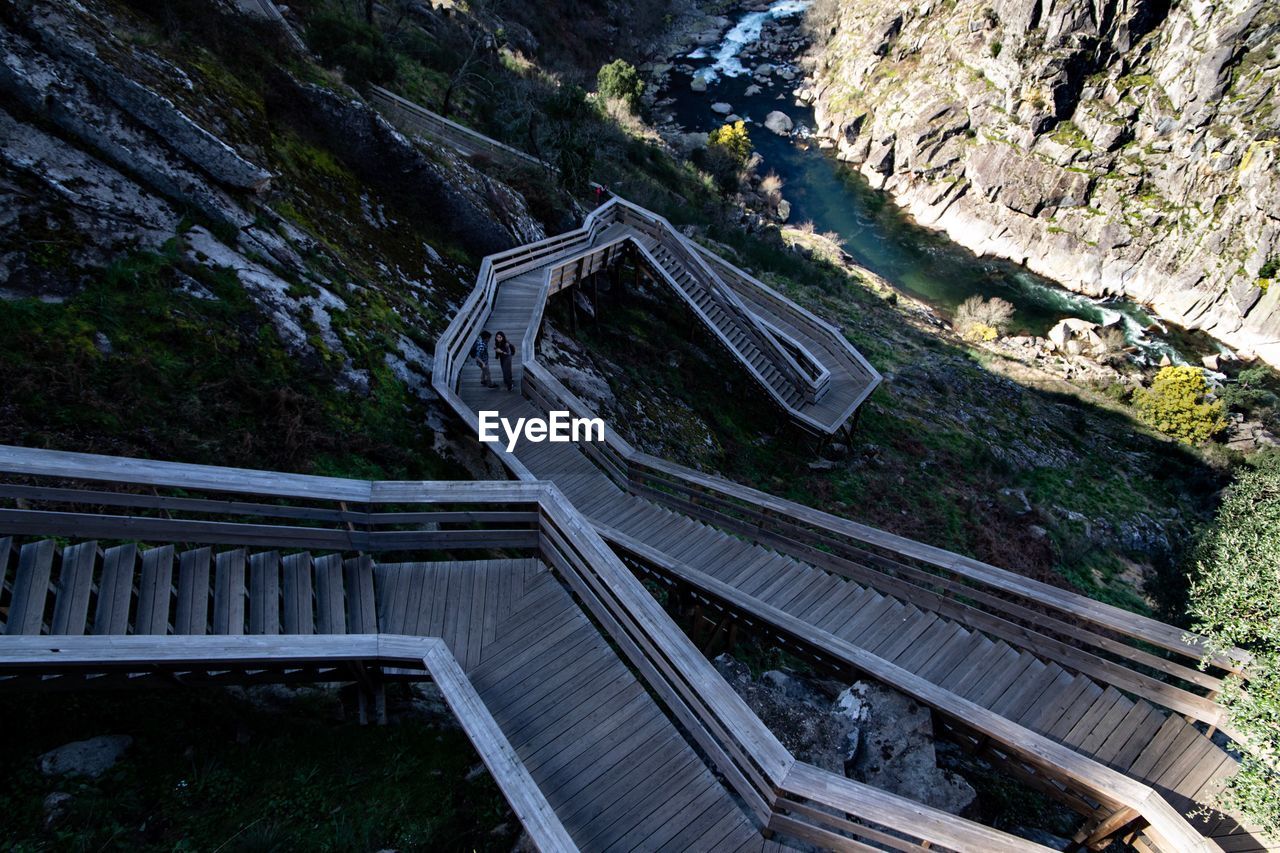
x,y
134,365
209,771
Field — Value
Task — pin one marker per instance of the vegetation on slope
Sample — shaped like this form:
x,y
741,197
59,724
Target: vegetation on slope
x,y
1235,600
1053,485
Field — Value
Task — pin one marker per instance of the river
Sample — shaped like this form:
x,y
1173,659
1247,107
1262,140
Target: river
x,y
920,262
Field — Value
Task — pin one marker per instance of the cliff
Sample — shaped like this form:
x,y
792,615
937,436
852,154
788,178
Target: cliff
x,y
1122,148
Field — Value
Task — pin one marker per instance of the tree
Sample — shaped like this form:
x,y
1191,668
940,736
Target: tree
x,y
467,71
1235,601
734,140
620,81
1177,404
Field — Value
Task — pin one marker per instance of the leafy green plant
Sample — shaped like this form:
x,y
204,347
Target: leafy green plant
x,y
1235,600
1177,404
357,48
733,139
620,80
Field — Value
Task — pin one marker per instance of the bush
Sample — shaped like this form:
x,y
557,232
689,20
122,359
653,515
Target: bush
x,y
1235,601
1177,405
733,140
979,319
620,81
771,191
357,48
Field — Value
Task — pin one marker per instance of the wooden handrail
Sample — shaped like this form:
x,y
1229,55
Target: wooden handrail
x,y
70,654
1059,761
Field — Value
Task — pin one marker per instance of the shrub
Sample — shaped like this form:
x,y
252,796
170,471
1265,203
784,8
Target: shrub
x,y
357,48
1270,269
620,81
771,190
1235,601
979,319
1177,405
732,139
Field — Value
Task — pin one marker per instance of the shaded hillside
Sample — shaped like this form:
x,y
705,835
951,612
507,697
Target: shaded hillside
x,y
213,251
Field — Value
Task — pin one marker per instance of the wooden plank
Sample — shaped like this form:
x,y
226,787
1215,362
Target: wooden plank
x,y
115,590
229,592
330,598
298,615
362,618
192,613
155,591
30,588
75,583
480,602
264,593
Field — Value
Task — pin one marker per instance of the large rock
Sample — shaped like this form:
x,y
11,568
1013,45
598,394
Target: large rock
x,y
779,122
722,108
90,758
698,82
896,750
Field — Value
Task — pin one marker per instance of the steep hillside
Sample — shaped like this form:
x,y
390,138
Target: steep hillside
x,y
1126,148
211,249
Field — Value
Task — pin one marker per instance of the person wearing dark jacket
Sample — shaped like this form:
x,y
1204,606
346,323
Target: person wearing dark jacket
x,y
504,350
480,355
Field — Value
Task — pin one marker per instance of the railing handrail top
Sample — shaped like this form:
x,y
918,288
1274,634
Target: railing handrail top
x,y
126,470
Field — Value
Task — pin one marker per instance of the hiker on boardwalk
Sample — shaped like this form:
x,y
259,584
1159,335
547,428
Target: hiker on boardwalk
x,y
504,350
480,354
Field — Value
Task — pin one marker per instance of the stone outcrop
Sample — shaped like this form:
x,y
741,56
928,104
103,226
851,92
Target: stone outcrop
x,y
90,758
1125,149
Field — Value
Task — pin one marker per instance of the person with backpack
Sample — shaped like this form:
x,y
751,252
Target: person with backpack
x,y
480,355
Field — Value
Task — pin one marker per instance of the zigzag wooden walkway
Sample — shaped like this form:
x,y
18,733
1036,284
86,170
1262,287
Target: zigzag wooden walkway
x,y
602,723
1115,712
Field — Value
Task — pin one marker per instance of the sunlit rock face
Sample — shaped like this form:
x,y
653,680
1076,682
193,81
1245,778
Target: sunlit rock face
x,y
1128,149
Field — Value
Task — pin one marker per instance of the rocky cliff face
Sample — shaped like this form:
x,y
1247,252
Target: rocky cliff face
x,y
1127,147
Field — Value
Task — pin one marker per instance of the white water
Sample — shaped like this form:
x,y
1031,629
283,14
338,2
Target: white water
x,y
744,33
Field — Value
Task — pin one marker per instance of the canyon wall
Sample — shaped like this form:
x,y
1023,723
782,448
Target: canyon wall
x,y
1121,147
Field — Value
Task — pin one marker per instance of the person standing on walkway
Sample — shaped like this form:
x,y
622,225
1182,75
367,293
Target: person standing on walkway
x,y
480,355
504,350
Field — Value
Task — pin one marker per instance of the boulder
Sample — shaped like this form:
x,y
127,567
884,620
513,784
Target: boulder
x,y
752,90
784,210
896,751
722,108
1211,362
779,122
698,83
91,757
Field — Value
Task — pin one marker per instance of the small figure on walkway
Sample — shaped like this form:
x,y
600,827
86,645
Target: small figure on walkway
x,y
480,355
599,195
504,350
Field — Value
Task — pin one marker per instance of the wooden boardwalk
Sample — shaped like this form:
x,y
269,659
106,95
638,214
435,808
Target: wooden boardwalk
x,y
605,756
601,722
1113,713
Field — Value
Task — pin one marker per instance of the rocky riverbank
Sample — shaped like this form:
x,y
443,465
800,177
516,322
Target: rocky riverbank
x,y
1130,154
